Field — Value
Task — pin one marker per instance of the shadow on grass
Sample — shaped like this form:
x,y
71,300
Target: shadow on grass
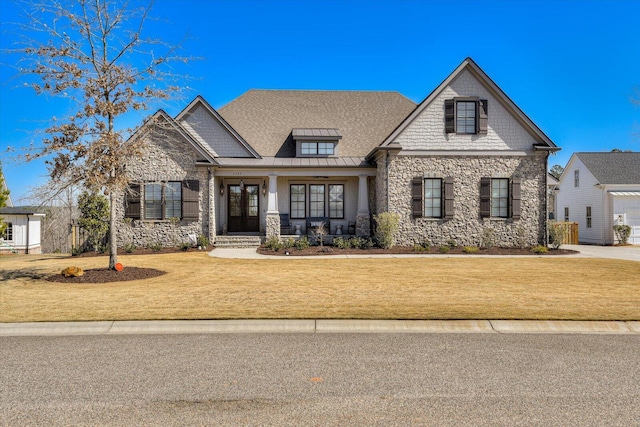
x,y
24,273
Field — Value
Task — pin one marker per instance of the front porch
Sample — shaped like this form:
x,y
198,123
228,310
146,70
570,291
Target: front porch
x,y
293,203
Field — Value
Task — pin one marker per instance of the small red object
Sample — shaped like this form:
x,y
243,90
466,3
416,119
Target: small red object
x,y
119,266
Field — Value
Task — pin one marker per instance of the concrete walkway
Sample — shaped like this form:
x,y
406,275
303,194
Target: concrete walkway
x,y
628,253
318,326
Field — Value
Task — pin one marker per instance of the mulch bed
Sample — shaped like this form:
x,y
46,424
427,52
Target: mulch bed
x,y
329,250
104,275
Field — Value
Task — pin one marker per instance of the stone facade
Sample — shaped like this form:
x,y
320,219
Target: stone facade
x,y
467,227
272,225
166,158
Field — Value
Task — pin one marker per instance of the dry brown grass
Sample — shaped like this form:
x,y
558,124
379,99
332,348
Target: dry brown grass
x,y
200,287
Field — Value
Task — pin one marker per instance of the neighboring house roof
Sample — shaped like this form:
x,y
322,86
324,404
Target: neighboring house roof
x,y
545,142
613,167
266,118
22,210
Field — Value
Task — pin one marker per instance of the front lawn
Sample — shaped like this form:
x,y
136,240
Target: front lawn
x,y
197,286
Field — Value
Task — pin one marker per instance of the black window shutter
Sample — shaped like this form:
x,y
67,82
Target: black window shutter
x,y
483,116
132,202
416,196
190,200
485,197
448,197
449,116
516,205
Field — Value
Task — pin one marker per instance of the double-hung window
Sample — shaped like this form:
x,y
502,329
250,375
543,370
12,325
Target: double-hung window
x,y
566,214
336,201
500,197
588,216
316,200
163,200
466,117
576,178
433,198
298,200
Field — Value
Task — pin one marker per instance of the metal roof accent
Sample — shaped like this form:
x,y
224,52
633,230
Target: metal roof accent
x,y
316,134
295,162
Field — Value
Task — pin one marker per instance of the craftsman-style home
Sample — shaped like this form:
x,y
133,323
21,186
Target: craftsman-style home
x,y
464,162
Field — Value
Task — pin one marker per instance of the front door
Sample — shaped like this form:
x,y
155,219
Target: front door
x,y
243,208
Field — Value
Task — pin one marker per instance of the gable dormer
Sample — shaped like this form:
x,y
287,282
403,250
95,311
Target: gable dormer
x,y
313,142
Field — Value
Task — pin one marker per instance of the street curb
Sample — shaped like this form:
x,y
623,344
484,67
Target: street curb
x,y
317,326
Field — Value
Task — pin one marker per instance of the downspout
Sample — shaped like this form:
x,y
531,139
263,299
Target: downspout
x,y
387,163
26,250
546,200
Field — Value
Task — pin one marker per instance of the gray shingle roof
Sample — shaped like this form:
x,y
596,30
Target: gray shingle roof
x,y
22,210
265,118
613,168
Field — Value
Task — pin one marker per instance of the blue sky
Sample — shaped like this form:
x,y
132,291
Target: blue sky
x,y
571,66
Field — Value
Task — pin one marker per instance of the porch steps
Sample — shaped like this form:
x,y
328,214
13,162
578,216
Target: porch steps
x,y
237,241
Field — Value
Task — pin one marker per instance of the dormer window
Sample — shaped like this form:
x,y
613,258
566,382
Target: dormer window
x,y
325,148
316,142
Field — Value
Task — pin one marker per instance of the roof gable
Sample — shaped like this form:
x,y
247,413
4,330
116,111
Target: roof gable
x,y
161,116
266,118
213,133
466,68
612,167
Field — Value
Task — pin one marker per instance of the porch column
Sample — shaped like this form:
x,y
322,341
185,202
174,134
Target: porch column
x,y
272,228
213,197
363,224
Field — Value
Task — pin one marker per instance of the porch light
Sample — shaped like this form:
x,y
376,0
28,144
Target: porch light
x,y
264,188
221,188
241,185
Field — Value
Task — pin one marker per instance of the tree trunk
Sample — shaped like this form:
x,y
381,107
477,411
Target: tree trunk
x,y
113,242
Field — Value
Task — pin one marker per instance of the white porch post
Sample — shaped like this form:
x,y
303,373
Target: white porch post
x,y
363,226
273,216
272,205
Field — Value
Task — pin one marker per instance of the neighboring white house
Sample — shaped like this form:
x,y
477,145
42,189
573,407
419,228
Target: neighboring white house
x,y
23,230
599,190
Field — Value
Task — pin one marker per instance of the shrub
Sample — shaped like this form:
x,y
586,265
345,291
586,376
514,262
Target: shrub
x,y
386,228
488,237
302,243
557,233
367,243
319,233
470,249
288,243
622,233
129,248
184,246
273,243
539,249
444,249
341,243
203,241
156,247
452,243
418,248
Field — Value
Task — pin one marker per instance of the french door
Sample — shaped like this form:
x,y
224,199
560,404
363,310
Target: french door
x,y
243,202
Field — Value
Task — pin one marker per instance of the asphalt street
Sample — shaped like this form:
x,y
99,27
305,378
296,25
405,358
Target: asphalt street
x,y
321,380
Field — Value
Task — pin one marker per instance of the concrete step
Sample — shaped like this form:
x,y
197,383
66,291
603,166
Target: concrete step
x,y
237,241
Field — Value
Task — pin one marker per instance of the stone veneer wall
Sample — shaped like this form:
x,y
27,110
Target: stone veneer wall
x,y
165,159
466,227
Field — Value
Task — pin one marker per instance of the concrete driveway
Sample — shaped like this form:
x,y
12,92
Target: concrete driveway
x,y
629,253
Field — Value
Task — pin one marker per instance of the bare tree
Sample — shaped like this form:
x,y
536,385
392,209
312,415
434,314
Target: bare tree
x,y
93,53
